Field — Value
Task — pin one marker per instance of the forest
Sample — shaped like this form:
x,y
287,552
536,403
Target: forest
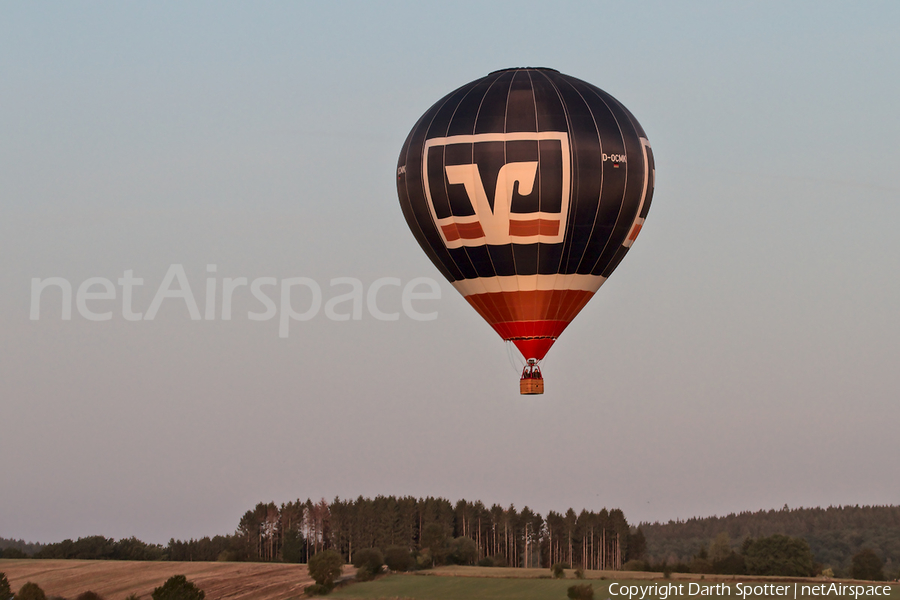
x,y
433,530
834,534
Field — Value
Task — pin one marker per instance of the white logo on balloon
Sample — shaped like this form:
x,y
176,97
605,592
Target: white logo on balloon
x,y
498,224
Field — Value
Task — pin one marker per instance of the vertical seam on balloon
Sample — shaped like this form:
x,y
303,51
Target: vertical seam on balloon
x,y
573,179
624,188
546,314
571,199
565,308
600,193
486,246
416,219
444,165
501,297
539,179
475,127
406,184
645,154
512,249
512,246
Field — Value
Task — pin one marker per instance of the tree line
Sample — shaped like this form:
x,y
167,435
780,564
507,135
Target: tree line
x,y
440,531
10,548
834,535
95,547
775,555
432,530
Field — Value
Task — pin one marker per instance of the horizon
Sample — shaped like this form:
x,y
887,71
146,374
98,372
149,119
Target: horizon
x,y
743,354
543,514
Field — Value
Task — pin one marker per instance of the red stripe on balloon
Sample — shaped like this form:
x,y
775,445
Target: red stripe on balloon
x,y
533,227
531,320
466,231
634,232
537,305
532,338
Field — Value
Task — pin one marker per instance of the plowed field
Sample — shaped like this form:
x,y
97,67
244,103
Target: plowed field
x,y
114,580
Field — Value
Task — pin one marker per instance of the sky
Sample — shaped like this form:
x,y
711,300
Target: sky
x,y
743,356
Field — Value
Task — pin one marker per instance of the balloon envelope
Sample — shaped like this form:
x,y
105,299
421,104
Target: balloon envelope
x,y
526,188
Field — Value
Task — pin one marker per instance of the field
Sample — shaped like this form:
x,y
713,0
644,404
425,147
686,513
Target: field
x,y
455,588
469,586
114,580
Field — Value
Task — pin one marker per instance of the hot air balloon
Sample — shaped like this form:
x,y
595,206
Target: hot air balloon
x,y
526,188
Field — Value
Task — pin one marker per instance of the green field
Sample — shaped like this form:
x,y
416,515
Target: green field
x,y
457,588
418,587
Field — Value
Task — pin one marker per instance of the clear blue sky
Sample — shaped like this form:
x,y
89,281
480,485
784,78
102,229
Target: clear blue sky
x,y
743,356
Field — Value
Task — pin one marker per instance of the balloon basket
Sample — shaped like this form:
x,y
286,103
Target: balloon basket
x,y
531,386
532,382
